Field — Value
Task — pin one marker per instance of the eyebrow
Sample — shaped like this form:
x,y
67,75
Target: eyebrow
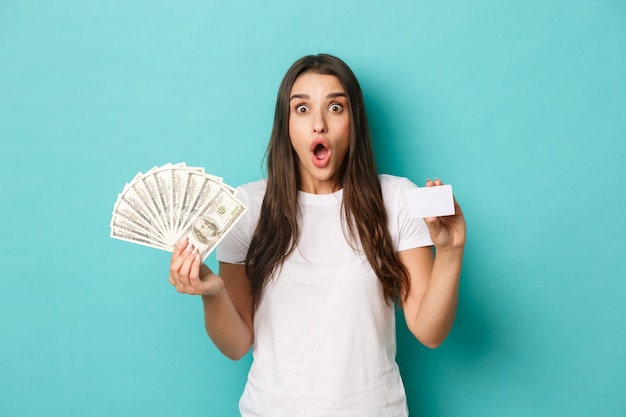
x,y
307,97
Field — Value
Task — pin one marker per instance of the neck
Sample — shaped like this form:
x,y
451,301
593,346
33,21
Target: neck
x,y
313,186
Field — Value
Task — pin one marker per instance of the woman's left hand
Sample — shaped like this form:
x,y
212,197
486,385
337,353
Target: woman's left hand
x,y
447,232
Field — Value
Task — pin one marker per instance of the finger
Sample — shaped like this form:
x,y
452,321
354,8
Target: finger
x,y
194,272
175,274
189,268
434,225
430,183
178,256
185,268
457,208
438,181
194,275
180,247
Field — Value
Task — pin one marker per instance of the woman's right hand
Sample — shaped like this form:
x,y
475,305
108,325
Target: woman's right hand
x,y
189,275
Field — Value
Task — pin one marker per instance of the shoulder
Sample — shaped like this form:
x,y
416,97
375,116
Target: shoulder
x,y
253,187
393,187
251,195
405,231
393,180
252,192
234,246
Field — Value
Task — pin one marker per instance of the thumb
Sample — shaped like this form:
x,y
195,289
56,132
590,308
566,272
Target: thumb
x,y
434,226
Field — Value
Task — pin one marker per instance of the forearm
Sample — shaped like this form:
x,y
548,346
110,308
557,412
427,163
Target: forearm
x,y
437,309
226,328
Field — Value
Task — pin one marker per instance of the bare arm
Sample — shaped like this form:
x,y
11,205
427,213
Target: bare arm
x,y
227,302
430,307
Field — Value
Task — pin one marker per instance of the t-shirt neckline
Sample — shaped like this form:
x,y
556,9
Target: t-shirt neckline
x,y
310,199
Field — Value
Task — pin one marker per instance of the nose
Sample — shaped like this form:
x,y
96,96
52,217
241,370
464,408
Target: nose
x,y
319,122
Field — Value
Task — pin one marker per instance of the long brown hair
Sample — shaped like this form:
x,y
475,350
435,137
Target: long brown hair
x,y
277,231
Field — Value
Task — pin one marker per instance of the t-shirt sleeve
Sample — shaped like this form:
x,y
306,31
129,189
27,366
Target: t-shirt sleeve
x,y
234,246
407,233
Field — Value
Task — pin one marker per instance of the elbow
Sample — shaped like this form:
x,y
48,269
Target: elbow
x,y
233,347
431,344
431,341
234,356
234,353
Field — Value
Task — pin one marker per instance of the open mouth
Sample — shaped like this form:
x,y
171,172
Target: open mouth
x,y
320,150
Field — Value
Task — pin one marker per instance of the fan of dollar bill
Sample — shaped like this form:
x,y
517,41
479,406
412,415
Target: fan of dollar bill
x,y
161,206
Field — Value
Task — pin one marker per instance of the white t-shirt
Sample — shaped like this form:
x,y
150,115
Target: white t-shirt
x,y
324,335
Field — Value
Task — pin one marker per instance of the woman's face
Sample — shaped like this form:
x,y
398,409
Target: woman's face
x,y
319,128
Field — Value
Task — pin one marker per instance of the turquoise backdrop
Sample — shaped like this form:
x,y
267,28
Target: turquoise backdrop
x,y
519,104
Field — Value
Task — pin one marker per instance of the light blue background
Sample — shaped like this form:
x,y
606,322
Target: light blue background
x,y
519,104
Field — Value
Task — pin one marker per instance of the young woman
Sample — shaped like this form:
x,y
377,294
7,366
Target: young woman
x,y
310,275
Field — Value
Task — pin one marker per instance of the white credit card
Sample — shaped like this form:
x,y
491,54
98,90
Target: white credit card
x,y
430,201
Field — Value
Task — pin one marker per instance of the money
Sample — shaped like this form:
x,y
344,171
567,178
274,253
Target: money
x,y
161,206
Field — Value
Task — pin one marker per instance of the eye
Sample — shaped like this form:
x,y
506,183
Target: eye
x,y
335,107
301,108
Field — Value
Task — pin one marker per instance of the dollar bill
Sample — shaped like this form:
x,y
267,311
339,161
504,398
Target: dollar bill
x,y
160,206
195,184
133,207
213,221
181,195
125,218
120,235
